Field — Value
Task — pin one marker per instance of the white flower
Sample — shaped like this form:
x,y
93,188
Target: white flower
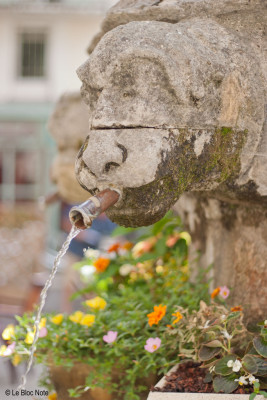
x,y
265,322
223,317
212,368
91,253
87,271
226,335
252,379
230,363
242,380
206,324
237,365
125,269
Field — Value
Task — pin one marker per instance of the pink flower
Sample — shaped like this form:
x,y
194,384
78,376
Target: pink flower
x,y
224,292
152,344
10,349
42,332
110,337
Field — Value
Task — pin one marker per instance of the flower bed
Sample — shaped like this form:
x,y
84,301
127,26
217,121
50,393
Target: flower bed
x,y
144,317
136,288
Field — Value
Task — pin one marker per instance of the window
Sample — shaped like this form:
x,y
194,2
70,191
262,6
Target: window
x,y
32,54
21,162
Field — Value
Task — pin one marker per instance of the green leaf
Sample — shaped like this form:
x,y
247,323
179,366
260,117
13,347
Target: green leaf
x,y
145,257
249,364
158,226
209,363
260,345
264,394
214,343
121,231
160,247
208,378
225,384
252,396
207,353
251,350
261,365
233,315
221,367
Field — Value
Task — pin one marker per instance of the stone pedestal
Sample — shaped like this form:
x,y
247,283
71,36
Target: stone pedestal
x,y
232,238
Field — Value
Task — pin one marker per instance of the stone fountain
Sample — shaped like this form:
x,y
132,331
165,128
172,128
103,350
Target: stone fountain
x,y
176,94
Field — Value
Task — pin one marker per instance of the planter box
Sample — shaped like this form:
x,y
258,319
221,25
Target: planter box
x,y
194,396
64,379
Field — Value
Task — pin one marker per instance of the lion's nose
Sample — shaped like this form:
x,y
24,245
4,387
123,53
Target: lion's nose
x,y
102,157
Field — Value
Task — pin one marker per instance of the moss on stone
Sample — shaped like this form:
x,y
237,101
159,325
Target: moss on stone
x,y
226,130
219,161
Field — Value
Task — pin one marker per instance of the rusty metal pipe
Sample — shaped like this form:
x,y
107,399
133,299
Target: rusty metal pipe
x,y
83,215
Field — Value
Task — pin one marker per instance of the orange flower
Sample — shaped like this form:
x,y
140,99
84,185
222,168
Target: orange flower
x,y
127,246
114,247
236,308
101,264
156,315
215,292
178,316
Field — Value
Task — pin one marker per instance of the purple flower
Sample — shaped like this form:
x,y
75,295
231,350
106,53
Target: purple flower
x,y
110,337
10,349
152,344
42,332
224,292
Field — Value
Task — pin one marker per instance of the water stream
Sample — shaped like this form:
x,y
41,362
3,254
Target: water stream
x,y
74,232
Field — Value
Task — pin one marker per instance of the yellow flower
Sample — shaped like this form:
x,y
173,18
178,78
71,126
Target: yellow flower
x,y
2,350
88,320
76,317
57,319
8,332
97,303
178,316
29,337
16,360
52,396
42,323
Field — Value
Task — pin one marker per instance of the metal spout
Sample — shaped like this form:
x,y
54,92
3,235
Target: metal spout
x,y
83,215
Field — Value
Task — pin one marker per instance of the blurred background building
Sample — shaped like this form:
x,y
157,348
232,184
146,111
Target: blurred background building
x,y
42,42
